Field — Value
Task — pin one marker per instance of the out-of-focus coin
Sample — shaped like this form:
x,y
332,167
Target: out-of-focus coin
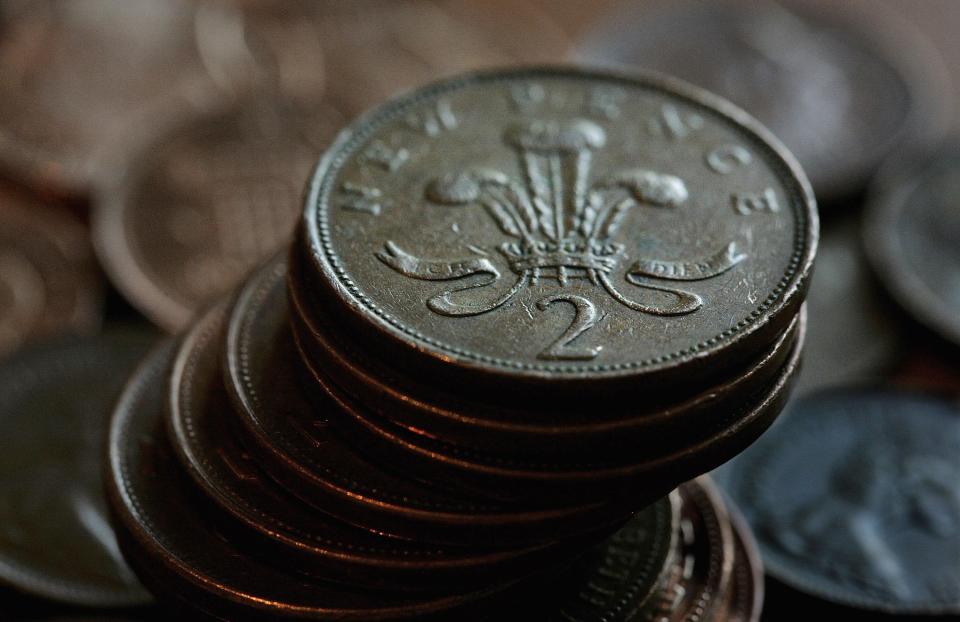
x,y
853,498
746,589
283,430
853,336
553,230
177,551
48,279
912,237
203,200
55,539
73,74
284,529
840,87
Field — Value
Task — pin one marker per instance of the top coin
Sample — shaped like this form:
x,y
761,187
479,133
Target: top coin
x,y
554,223
841,87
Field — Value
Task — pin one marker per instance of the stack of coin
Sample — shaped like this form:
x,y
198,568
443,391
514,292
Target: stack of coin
x,y
403,420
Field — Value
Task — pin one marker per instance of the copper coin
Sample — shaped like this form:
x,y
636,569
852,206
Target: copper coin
x,y
561,478
483,236
911,231
55,539
418,405
49,281
746,590
841,85
176,550
203,201
289,434
282,527
73,76
703,570
853,498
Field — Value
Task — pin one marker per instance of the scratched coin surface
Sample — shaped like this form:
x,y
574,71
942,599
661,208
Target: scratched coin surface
x,y
853,497
55,538
49,281
912,231
840,87
204,201
554,223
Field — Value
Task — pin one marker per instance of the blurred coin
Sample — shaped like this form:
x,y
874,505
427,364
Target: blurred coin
x,y
49,282
178,552
853,335
541,233
55,540
204,199
912,237
72,74
840,86
746,589
853,498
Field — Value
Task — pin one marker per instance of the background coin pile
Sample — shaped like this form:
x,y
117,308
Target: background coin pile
x,y
322,494
175,137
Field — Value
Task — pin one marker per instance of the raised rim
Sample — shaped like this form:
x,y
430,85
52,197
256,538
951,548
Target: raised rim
x,y
792,286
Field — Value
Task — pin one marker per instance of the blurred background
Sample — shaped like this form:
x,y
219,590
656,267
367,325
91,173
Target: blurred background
x,y
152,152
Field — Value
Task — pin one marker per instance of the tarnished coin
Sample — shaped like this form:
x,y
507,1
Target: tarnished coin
x,y
72,75
177,552
853,335
546,229
204,200
291,437
49,282
853,497
745,602
841,86
55,539
912,237
284,529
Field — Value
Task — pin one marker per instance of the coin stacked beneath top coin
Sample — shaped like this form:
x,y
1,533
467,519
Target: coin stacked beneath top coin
x,y
512,317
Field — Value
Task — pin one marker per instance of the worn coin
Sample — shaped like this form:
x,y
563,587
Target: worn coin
x,y
178,552
562,479
279,524
546,229
290,435
203,201
653,425
853,498
841,87
49,282
746,589
911,232
55,539
853,336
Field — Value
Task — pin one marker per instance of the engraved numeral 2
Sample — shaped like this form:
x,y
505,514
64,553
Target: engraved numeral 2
x,y
584,318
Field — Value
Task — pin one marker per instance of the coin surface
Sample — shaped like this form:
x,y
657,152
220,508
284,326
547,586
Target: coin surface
x,y
49,282
283,427
55,539
281,526
547,225
746,590
177,551
203,201
853,498
911,232
841,87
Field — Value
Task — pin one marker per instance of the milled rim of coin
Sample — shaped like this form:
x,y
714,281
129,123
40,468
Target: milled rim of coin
x,y
742,334
890,202
278,520
855,434
381,389
288,451
69,454
50,246
173,546
876,30
548,476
